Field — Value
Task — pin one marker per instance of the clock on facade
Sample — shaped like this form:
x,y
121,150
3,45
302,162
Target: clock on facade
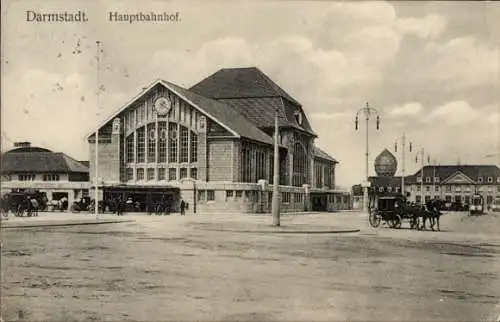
x,y
162,106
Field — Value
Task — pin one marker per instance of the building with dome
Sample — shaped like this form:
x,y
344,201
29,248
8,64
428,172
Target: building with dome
x,y
54,174
452,183
386,164
212,146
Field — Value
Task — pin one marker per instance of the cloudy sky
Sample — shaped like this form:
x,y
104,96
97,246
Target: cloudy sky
x,y
431,69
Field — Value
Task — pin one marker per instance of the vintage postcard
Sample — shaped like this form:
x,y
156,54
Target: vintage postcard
x,y
250,160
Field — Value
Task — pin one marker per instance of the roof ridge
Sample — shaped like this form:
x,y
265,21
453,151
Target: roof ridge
x,y
227,110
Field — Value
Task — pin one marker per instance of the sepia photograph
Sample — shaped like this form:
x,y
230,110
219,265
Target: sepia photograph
x,y
273,160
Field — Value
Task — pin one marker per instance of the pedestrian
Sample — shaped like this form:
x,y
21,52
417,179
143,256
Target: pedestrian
x,y
183,207
119,210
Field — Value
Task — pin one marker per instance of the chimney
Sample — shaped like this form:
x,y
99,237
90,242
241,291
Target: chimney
x,y
22,144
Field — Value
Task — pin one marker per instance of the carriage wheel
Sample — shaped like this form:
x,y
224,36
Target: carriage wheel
x,y
374,219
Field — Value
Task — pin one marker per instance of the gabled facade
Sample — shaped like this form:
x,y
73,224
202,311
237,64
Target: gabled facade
x,y
453,183
199,146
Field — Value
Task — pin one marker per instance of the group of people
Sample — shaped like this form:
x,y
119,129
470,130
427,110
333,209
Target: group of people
x,y
163,207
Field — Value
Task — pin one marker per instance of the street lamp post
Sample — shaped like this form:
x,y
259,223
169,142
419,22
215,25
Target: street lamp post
x,y
403,152
367,111
276,177
422,156
96,166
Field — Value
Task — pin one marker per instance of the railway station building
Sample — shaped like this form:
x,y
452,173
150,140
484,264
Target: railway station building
x,y
212,146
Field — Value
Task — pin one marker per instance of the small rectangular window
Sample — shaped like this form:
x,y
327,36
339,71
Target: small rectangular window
x,y
151,174
201,195
183,173
239,193
194,173
172,174
229,194
140,174
162,173
210,195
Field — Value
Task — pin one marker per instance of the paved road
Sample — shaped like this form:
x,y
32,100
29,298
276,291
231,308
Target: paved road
x,y
171,268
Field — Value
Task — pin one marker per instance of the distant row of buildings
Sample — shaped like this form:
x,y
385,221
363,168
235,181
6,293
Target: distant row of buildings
x,y
453,183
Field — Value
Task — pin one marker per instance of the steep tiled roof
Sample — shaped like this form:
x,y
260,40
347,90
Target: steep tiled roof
x,y
234,83
444,172
322,154
224,114
35,162
252,94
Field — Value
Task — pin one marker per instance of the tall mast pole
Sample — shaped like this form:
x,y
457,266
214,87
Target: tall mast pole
x,y
96,166
367,112
422,178
403,191
367,118
276,175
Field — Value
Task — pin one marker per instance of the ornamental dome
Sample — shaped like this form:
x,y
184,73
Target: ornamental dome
x,y
386,164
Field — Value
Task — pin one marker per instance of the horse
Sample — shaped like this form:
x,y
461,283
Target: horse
x,y
418,216
434,210
34,206
24,207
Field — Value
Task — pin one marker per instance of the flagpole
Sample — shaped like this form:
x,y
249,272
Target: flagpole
x,y
96,166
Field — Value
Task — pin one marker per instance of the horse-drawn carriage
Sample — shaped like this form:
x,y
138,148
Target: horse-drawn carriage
x,y
104,206
81,204
395,209
23,203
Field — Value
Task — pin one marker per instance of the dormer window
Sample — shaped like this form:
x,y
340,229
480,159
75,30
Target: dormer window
x,y
436,179
427,179
480,179
298,117
381,189
389,189
490,179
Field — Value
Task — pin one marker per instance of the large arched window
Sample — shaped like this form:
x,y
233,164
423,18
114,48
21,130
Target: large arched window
x,y
167,143
139,151
172,142
299,165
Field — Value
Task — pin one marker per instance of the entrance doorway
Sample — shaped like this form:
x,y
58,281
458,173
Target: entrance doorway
x,y
319,202
145,199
